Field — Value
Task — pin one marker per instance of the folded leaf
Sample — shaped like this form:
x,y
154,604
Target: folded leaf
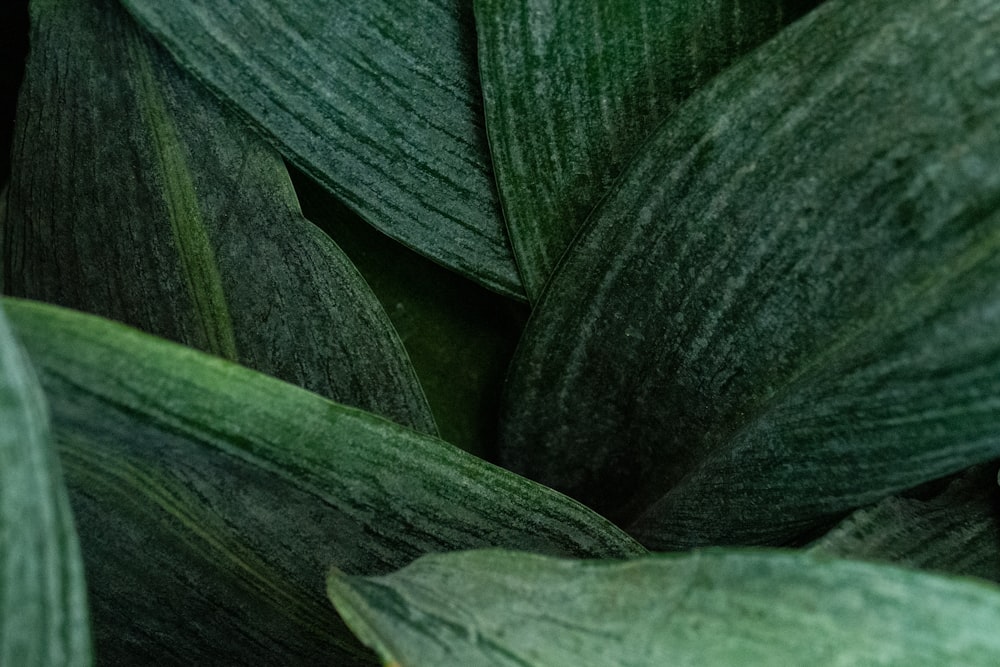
x,y
956,531
787,308
710,608
212,499
572,87
155,209
378,101
459,336
43,599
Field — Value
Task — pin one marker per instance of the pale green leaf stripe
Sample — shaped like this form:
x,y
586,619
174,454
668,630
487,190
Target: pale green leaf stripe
x,y
154,209
956,531
787,309
43,598
717,608
572,87
214,489
379,101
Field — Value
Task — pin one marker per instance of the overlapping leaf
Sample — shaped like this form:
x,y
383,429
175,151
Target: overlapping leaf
x,y
43,598
212,499
377,100
459,336
955,531
572,87
788,307
713,608
136,198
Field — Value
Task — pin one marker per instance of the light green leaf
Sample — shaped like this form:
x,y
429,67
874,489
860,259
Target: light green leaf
x,y
43,597
216,490
572,87
379,101
154,209
955,531
459,336
788,307
705,608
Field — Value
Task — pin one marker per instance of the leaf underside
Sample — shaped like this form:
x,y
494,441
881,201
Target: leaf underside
x,y
376,100
705,608
212,501
153,208
787,307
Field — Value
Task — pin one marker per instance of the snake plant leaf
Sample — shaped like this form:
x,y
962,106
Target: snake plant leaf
x,y
223,495
704,608
787,308
459,336
571,88
43,598
154,209
956,531
379,101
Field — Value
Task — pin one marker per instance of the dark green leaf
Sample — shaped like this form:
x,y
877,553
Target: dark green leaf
x,y
707,608
571,88
135,198
377,100
459,336
223,495
43,599
956,531
788,307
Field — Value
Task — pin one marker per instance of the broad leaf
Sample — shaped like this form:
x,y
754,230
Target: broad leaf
x,y
788,307
154,209
377,100
956,531
572,87
43,599
710,608
215,490
459,336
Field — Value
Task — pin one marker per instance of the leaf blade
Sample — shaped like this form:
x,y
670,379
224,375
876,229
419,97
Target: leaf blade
x,y
711,607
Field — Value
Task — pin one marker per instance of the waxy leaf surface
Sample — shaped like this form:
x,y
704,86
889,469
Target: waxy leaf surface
x,y
788,306
715,608
377,100
223,495
135,197
43,598
572,87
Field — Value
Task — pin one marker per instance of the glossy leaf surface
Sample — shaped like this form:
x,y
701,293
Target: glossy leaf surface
x,y
787,308
217,490
151,206
43,597
573,87
378,101
710,608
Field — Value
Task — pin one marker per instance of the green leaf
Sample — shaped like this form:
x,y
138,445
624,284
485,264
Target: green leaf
x,y
955,531
706,608
459,336
378,101
152,208
43,597
787,308
571,88
214,490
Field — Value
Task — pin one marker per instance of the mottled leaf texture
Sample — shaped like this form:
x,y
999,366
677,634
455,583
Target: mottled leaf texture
x,y
572,87
212,499
377,100
717,608
955,531
43,598
135,198
788,307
